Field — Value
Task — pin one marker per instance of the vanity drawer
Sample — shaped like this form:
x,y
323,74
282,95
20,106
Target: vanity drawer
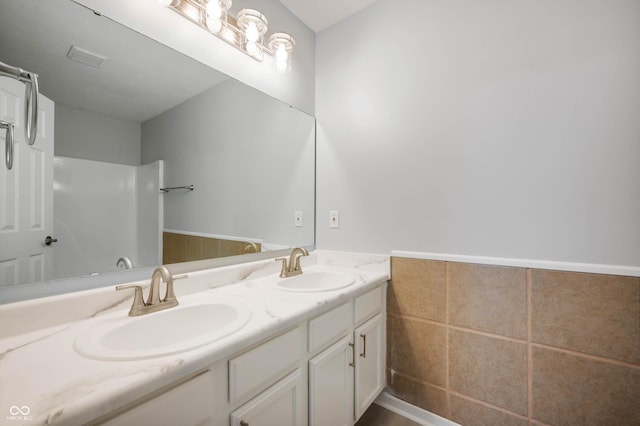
x,y
329,326
368,304
261,366
188,404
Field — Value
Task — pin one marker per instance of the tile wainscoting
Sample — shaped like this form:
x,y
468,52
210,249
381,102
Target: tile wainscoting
x,y
487,345
179,247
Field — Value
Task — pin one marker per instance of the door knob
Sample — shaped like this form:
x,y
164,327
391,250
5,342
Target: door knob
x,y
48,240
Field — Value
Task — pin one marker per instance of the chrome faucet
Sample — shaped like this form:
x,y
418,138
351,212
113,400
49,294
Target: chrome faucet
x,y
293,267
126,262
153,303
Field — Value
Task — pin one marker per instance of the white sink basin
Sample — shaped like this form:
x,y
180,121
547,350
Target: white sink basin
x,y
314,281
162,333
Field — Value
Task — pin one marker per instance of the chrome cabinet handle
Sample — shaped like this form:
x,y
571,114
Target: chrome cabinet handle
x,y
8,144
364,344
48,240
353,355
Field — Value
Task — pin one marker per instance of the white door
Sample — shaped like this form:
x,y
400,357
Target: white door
x,y
370,355
26,191
331,386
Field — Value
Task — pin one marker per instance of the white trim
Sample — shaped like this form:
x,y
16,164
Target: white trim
x,y
221,237
594,268
411,412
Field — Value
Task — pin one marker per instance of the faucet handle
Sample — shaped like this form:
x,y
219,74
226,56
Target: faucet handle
x,y
285,268
169,294
138,301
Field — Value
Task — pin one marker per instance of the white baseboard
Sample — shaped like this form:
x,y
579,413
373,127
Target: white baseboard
x,y
411,412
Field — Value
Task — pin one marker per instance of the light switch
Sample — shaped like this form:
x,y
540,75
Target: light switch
x,y
334,219
298,219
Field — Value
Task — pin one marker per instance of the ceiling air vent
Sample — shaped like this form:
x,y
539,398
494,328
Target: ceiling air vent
x,y
86,57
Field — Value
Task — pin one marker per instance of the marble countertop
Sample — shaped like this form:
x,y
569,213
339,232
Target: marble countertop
x,y
43,380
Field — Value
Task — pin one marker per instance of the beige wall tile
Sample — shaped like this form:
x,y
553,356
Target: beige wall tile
x,y
417,288
488,298
418,393
167,248
597,314
575,390
192,247
210,248
230,248
418,349
471,413
489,369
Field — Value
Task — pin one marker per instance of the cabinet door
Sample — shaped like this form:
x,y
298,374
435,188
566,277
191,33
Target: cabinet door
x,y
370,362
283,404
331,386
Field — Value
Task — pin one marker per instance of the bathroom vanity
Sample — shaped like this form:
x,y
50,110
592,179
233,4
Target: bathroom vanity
x,y
303,350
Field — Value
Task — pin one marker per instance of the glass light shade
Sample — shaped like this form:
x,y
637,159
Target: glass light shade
x,y
169,2
253,25
281,44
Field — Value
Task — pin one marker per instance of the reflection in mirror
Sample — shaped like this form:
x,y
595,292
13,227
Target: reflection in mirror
x,y
143,117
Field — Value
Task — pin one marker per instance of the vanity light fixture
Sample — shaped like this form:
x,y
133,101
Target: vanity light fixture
x,y
246,32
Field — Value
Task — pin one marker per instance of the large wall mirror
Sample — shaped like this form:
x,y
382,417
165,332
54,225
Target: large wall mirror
x,y
157,158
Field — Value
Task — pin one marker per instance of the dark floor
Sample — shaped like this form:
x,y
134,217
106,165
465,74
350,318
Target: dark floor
x,y
378,416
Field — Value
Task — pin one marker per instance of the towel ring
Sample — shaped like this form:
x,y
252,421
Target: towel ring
x,y
31,107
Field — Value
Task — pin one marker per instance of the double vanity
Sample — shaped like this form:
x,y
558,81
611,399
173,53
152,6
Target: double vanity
x,y
244,346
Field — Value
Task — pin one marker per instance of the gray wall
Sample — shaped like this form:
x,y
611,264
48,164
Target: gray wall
x,y
492,128
250,157
91,136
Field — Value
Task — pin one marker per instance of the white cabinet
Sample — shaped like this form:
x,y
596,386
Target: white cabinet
x,y
324,372
348,376
186,404
370,351
331,386
258,368
280,405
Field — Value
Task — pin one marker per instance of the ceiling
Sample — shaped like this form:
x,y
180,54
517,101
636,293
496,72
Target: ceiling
x,y
320,14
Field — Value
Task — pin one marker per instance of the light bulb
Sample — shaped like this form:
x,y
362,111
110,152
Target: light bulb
x,y
214,11
214,25
281,53
282,66
252,33
252,48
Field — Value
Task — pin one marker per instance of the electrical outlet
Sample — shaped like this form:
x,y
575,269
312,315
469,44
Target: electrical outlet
x,y
297,221
334,219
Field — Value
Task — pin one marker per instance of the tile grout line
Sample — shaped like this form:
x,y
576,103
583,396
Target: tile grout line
x,y
588,356
486,404
487,334
446,338
415,379
529,347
